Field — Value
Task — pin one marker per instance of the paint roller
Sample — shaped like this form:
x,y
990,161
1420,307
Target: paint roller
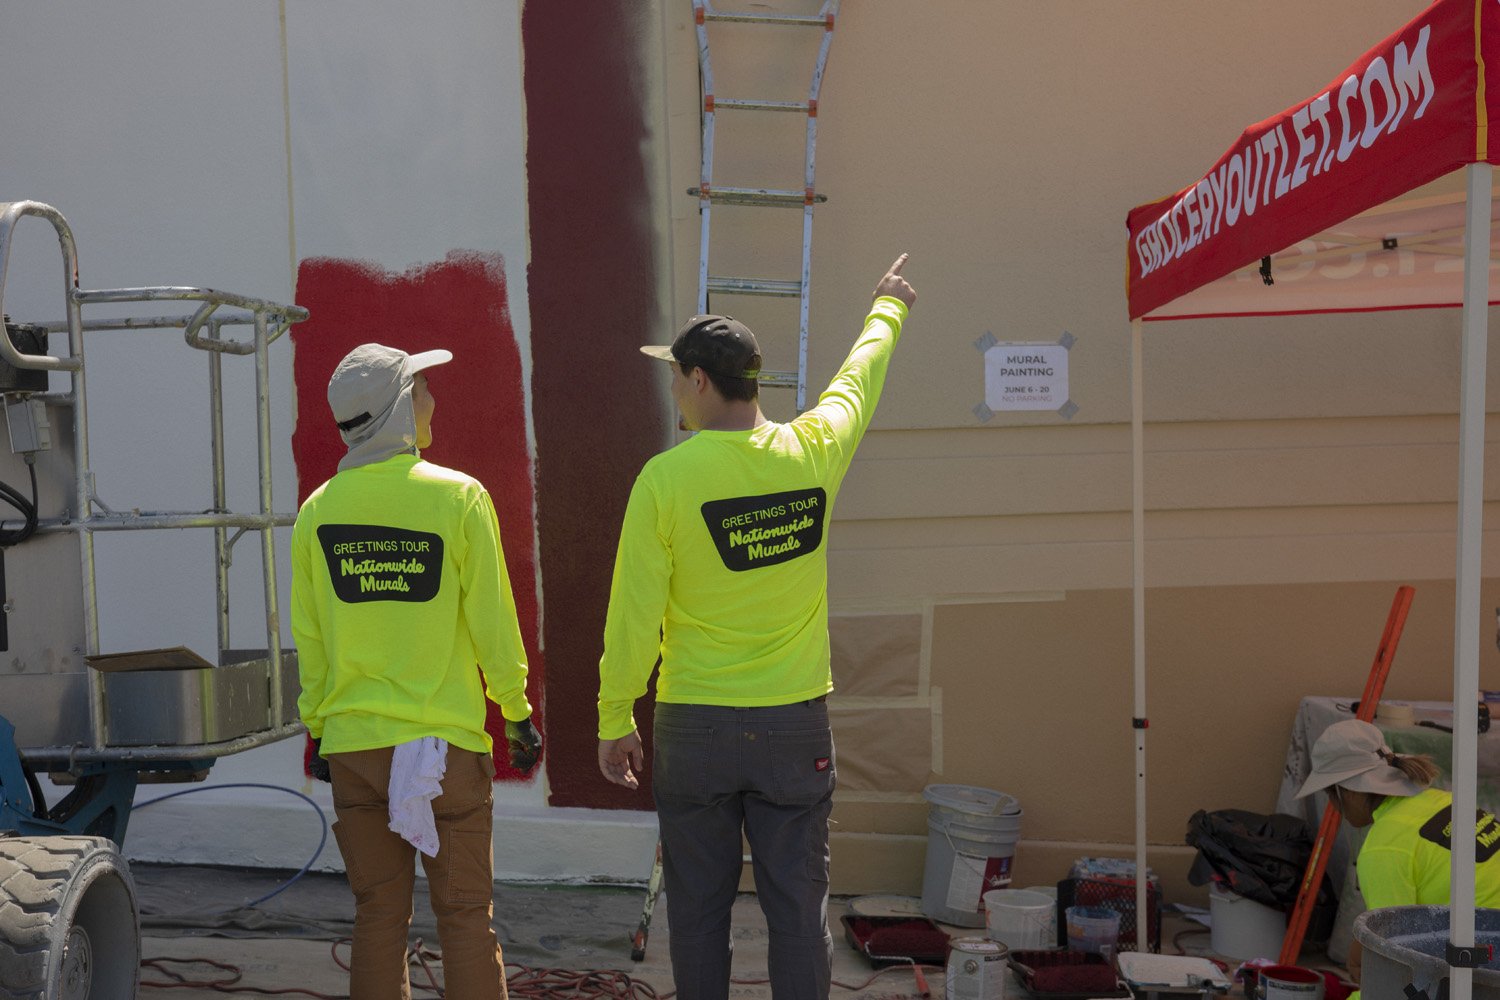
x,y
906,944
899,940
1063,976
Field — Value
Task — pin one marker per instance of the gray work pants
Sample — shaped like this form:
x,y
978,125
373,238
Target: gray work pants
x,y
768,772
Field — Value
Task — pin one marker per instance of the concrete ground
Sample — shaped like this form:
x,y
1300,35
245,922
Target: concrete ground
x,y
296,939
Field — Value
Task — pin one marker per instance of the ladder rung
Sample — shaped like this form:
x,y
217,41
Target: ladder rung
x,y
779,380
757,196
755,286
804,20
724,103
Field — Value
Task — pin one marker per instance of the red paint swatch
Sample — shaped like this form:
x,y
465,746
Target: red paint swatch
x,y
479,427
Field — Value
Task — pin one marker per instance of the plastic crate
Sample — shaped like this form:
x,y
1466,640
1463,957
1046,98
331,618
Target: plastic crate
x,y
1113,894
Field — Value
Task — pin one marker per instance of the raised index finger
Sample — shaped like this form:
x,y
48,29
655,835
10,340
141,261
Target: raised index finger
x,y
899,264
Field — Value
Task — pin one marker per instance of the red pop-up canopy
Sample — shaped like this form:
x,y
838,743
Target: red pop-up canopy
x,y
1350,201
1310,187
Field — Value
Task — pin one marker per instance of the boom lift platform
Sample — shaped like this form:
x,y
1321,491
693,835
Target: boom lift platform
x,y
69,926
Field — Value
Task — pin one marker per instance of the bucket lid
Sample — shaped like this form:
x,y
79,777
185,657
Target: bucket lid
x,y
969,799
979,946
1018,899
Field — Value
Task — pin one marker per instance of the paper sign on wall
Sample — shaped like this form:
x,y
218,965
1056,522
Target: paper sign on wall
x,y
1025,376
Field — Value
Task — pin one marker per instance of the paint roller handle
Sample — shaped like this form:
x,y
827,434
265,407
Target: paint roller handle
x,y
923,990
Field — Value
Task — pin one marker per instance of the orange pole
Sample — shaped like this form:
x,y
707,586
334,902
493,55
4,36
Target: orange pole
x,y
1317,863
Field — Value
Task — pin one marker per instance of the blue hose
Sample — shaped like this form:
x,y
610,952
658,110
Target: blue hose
x,y
322,835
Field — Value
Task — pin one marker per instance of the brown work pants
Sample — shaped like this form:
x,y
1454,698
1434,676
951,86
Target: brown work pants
x,y
381,873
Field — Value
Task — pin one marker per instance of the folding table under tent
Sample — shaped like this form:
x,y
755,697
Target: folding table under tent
x,y
1338,204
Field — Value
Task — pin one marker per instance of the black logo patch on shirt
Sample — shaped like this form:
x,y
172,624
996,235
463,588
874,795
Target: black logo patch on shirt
x,y
751,532
371,562
1439,831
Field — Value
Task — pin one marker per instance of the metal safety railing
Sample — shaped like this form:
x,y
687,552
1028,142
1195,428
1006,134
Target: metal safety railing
x,y
203,329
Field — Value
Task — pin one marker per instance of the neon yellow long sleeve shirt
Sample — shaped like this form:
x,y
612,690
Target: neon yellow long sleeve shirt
x,y
400,600
722,566
1407,856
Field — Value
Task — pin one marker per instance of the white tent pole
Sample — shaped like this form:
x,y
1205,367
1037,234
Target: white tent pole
x,y
1138,591
1470,540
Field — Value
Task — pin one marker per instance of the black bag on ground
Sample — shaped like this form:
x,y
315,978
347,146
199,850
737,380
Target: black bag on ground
x,y
1259,857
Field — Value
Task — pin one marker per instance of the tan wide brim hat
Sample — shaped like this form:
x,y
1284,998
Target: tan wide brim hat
x,y
1352,754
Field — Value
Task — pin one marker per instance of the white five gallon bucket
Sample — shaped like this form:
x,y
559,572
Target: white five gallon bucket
x,y
1243,928
971,839
1020,919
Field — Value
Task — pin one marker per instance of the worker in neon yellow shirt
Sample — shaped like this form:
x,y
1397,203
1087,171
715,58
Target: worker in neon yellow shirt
x,y
722,574
400,600
1407,856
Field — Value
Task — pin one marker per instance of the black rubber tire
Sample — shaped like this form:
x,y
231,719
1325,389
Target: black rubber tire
x,y
69,926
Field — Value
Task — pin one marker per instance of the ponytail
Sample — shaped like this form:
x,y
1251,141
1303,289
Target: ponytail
x,y
1418,767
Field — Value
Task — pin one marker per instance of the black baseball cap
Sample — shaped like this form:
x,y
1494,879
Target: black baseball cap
x,y
720,345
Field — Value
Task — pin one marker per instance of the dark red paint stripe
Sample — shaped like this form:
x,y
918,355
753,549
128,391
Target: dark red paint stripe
x,y
592,284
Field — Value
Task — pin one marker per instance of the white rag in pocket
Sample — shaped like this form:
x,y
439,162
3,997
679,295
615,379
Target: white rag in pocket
x,y
417,769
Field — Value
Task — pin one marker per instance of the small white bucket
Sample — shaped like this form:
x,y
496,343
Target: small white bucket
x,y
1243,928
1019,918
1050,891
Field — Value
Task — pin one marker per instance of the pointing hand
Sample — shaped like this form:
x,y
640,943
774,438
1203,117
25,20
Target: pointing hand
x,y
897,287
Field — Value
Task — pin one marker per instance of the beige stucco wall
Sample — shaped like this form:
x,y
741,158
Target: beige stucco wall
x,y
1297,469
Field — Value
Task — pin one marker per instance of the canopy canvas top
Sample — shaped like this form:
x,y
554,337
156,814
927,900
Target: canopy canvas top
x,y
1312,188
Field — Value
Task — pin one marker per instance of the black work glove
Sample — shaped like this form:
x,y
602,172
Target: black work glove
x,y
317,766
525,743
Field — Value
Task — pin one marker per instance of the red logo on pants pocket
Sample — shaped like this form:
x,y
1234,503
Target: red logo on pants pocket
x,y
821,764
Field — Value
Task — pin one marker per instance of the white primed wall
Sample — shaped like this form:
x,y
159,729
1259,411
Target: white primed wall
x,y
161,143
160,130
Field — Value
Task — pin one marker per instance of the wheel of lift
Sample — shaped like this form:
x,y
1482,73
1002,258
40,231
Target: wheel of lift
x,y
69,927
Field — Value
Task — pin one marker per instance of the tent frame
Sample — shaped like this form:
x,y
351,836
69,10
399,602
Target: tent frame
x,y
1475,332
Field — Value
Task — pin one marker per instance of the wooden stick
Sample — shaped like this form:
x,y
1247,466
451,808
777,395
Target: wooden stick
x,y
643,929
1317,863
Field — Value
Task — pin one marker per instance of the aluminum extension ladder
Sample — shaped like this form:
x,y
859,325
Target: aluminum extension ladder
x,y
709,193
